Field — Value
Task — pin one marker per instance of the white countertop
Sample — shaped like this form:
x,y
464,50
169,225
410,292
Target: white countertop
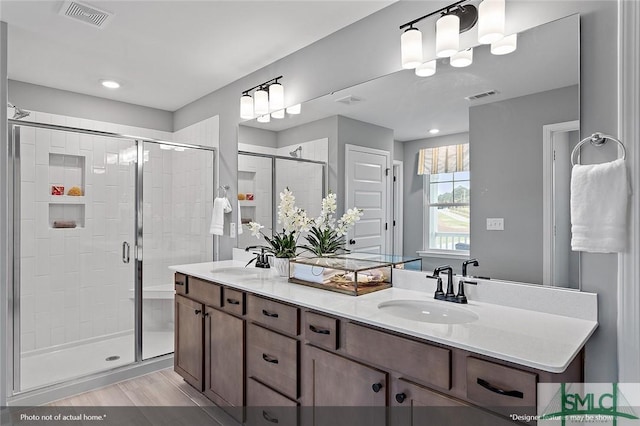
x,y
541,340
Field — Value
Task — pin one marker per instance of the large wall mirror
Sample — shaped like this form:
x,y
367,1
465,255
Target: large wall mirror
x,y
519,114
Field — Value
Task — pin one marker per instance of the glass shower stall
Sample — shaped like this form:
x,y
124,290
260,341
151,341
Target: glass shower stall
x,y
98,218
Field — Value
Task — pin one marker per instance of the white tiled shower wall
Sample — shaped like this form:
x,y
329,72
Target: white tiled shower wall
x,y
74,285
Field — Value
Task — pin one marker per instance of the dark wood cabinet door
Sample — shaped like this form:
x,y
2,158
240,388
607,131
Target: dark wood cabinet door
x,y
415,405
189,337
224,362
341,391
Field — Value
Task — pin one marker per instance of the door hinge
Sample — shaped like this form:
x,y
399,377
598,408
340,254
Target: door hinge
x,y
554,156
386,226
394,223
394,179
386,171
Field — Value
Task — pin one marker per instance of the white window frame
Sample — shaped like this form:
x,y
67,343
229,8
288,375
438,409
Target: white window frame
x,y
426,251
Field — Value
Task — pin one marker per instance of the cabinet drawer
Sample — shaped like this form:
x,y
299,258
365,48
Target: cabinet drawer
x,y
204,291
428,364
497,386
180,283
273,359
233,301
266,407
274,315
321,330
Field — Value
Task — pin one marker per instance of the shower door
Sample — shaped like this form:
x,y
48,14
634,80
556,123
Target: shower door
x,y
74,213
177,195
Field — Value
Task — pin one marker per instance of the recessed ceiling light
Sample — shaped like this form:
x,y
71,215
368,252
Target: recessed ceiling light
x,y
110,84
434,131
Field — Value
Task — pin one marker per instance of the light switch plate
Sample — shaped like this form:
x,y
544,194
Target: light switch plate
x,y
495,224
232,230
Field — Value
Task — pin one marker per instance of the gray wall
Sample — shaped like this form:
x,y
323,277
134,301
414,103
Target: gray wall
x,y
398,151
506,167
259,137
45,99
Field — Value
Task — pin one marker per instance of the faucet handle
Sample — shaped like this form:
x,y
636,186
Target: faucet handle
x,y
439,294
461,297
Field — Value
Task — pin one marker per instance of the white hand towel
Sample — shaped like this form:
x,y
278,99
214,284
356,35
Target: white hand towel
x,y
239,220
599,195
220,207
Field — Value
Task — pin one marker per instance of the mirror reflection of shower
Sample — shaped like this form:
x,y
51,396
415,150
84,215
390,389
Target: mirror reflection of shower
x,y
18,113
296,153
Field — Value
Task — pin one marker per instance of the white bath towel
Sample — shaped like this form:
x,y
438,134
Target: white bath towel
x,y
599,195
220,207
239,220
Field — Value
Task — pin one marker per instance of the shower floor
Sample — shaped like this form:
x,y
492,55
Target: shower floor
x,y
42,369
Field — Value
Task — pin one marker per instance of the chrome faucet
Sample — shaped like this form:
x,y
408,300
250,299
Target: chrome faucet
x,y
449,296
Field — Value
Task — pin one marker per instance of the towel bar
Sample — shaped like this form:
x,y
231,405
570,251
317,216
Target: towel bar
x,y
596,139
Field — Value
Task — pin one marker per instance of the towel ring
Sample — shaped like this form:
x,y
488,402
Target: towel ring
x,y
596,139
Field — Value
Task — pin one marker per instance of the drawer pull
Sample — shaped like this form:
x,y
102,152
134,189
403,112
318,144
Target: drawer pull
x,y
488,386
400,397
269,314
319,330
270,359
179,283
268,418
233,301
376,387
197,311
206,314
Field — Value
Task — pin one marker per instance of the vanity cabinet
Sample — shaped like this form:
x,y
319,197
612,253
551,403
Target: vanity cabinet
x,y
189,341
287,357
209,341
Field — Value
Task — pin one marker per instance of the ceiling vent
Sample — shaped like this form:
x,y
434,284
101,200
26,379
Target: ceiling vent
x,y
349,100
85,13
481,95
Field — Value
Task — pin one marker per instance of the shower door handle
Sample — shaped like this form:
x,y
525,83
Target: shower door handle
x,y
125,252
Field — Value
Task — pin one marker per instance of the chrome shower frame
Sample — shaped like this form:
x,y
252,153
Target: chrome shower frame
x,y
35,396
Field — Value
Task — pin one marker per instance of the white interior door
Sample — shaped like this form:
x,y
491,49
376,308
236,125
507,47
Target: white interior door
x,y
367,187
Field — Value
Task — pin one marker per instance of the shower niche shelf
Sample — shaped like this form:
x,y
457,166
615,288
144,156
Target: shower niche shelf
x,y
65,216
65,172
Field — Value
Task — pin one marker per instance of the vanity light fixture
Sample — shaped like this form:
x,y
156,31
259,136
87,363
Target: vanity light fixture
x,y
447,35
491,18
278,114
267,97
294,109
426,69
461,59
505,45
411,48
110,84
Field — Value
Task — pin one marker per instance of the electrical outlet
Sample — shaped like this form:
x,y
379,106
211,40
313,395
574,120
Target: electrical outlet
x,y
495,224
232,230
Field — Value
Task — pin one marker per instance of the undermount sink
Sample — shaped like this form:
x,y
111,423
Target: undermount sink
x,y
424,311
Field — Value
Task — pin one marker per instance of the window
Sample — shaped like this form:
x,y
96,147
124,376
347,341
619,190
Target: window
x,y
446,199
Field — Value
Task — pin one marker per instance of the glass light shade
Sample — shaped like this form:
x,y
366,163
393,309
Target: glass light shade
x,y
264,118
505,45
294,109
491,16
276,97
463,58
246,107
261,102
426,69
447,35
278,114
411,48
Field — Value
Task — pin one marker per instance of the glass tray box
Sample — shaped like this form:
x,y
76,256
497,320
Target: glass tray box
x,y
397,261
344,275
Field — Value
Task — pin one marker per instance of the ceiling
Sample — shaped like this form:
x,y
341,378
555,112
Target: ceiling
x,y
165,54
547,58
